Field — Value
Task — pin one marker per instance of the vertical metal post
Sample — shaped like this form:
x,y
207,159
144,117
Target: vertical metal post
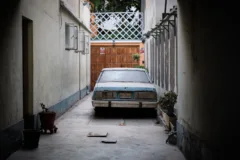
x,y
165,9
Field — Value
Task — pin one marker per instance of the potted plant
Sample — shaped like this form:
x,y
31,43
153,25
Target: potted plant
x,y
47,119
167,102
136,57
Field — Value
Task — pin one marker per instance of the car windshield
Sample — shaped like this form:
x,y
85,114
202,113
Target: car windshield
x,y
124,76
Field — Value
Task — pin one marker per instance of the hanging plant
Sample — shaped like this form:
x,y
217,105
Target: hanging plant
x,y
136,57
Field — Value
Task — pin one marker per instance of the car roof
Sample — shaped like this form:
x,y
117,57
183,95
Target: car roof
x,y
114,69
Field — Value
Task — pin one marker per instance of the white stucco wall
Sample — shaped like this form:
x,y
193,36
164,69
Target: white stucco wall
x,y
74,5
204,70
85,58
11,73
153,10
69,62
85,14
149,15
55,70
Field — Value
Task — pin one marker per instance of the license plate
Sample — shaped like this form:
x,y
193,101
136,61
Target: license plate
x,y
125,95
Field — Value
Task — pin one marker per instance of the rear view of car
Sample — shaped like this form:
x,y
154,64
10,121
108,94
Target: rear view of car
x,y
124,88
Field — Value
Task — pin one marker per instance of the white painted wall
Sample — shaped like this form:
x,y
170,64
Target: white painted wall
x,y
56,70
153,10
10,70
85,13
205,68
74,6
85,58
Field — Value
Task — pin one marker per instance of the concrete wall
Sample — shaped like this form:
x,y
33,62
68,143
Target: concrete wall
x,y
56,70
60,76
74,6
149,14
206,64
11,66
153,10
86,16
160,52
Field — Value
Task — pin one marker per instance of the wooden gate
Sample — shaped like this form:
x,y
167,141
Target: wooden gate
x,y
110,57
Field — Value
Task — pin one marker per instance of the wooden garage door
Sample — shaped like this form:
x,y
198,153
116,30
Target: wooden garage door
x,y
118,56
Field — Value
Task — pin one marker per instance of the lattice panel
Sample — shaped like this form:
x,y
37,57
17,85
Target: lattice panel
x,y
116,26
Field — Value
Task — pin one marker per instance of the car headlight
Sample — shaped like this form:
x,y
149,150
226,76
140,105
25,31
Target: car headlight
x,y
145,95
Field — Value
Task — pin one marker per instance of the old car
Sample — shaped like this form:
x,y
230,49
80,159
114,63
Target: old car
x,y
124,88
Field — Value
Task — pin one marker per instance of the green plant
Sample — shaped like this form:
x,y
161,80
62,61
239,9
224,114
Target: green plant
x,y
136,56
140,66
47,119
114,6
168,101
43,107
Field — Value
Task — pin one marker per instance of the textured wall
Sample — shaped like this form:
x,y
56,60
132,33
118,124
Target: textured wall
x,y
205,69
160,51
58,74
56,70
11,66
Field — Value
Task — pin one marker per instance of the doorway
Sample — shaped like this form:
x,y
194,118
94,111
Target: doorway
x,y
27,51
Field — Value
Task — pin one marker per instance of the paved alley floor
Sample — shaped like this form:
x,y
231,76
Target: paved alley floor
x,y
139,138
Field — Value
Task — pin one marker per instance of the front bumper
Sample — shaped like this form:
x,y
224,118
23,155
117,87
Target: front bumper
x,y
124,104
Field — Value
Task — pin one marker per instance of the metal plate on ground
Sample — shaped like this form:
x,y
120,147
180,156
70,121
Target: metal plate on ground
x,y
109,141
91,134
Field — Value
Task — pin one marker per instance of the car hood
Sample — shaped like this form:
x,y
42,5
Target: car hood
x,y
124,86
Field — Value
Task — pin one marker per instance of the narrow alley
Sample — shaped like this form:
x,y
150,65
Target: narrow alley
x,y
53,51
139,138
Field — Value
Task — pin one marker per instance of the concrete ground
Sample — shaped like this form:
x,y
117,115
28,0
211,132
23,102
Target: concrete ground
x,y
138,139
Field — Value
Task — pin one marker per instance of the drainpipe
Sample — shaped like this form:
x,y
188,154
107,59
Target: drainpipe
x,y
79,62
80,93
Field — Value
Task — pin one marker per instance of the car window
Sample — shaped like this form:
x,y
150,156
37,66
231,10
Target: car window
x,y
124,76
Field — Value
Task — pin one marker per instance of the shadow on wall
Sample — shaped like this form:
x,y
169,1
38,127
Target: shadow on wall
x,y
8,11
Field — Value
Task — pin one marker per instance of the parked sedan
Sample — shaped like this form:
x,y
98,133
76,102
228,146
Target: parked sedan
x,y
124,88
